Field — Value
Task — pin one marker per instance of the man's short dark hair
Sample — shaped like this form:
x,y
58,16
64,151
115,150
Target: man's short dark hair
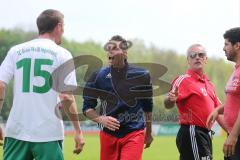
x,y
118,38
48,20
232,35
124,43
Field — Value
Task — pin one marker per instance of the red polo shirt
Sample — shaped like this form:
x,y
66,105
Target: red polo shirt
x,y
232,103
196,98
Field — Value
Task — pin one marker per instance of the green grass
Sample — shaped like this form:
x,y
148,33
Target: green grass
x,y
163,147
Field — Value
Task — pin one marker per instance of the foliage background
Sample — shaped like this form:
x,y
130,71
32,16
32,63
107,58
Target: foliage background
x,y
218,70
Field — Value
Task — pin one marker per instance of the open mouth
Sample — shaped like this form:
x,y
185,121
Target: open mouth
x,y
197,62
110,58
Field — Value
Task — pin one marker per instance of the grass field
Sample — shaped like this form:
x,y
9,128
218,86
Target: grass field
x,y
163,148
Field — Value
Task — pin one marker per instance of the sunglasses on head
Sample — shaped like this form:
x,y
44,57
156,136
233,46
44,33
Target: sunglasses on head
x,y
195,54
113,46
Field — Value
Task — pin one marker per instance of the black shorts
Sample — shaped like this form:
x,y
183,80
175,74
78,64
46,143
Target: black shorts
x,y
236,155
194,143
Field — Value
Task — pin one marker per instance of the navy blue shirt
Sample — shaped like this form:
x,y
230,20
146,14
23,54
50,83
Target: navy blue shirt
x,y
125,94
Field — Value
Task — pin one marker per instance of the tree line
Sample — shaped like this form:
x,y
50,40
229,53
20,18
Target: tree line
x,y
217,69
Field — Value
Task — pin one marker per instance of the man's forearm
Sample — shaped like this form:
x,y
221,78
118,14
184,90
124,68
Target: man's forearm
x,y
221,122
93,115
1,104
107,121
148,120
2,94
236,127
70,108
74,117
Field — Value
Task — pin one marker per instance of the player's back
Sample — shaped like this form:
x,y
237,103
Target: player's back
x,y
32,117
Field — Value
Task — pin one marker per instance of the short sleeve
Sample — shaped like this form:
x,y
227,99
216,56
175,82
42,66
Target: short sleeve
x,y
71,77
213,95
66,64
217,101
182,84
7,67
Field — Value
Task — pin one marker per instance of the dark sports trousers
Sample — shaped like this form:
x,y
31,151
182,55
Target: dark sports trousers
x,y
236,155
194,143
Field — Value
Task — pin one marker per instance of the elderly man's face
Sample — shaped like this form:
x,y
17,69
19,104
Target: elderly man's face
x,y
197,58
